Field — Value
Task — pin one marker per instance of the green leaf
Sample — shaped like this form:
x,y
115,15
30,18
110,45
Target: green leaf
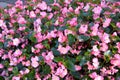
x,y
1,45
69,65
96,38
62,28
55,43
6,63
107,55
117,76
6,43
46,70
15,71
75,75
83,38
107,30
30,8
20,66
82,60
2,78
30,75
114,50
32,37
46,44
40,58
55,52
71,39
59,59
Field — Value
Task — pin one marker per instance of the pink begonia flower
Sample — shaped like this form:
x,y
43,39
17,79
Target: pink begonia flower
x,y
26,71
21,58
1,66
114,34
17,53
116,60
73,22
90,67
53,33
94,29
61,71
86,8
35,61
118,46
77,10
5,56
32,14
47,77
37,27
19,4
67,32
67,1
104,47
15,78
64,10
105,38
27,63
62,38
99,78
16,41
63,50
23,45
43,14
37,76
56,23
70,9
97,10
35,64
49,8
42,6
37,11
103,3
93,75
1,35
22,28
83,29
39,37
54,77
38,21
108,72
95,16
21,20
50,16
113,70
39,46
12,11
95,62
10,68
74,51
95,51
34,0
103,71
106,23
61,19
1,22
21,72
49,56
118,24
33,49
77,68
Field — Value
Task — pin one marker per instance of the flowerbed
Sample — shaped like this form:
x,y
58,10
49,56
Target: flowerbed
x,y
66,40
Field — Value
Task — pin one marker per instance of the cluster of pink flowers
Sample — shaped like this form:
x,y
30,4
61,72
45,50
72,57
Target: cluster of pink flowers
x,y
67,40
